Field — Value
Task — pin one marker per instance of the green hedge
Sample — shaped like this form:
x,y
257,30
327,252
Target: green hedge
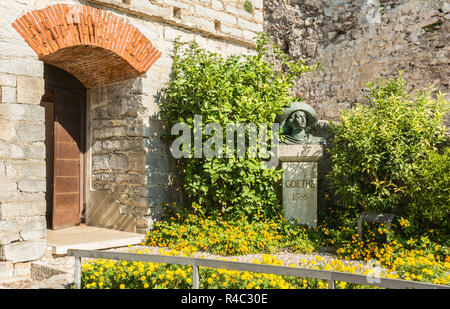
x,y
385,153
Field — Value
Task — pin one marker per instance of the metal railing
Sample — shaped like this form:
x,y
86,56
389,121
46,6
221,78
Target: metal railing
x,y
331,276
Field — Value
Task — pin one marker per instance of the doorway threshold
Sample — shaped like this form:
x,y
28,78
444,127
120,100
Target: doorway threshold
x,y
89,238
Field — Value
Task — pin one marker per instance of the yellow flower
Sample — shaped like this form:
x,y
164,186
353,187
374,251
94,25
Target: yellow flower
x,y
122,286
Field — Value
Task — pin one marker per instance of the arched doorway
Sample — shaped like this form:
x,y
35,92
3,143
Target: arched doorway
x,y
88,51
65,140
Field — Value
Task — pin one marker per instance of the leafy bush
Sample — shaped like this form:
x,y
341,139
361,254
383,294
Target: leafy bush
x,y
430,191
237,89
380,149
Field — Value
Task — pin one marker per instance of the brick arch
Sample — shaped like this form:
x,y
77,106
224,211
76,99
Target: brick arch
x,y
94,45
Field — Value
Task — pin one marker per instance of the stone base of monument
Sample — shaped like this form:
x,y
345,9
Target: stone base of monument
x,y
299,163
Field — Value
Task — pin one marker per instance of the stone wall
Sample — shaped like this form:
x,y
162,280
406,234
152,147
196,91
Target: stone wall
x,y
130,170
129,162
221,19
355,41
22,152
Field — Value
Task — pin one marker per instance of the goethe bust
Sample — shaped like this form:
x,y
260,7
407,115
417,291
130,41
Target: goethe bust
x,y
297,121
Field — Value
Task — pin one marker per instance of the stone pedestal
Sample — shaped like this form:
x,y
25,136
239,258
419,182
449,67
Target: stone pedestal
x,y
299,163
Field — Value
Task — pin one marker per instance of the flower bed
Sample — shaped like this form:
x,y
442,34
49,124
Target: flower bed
x,y
417,259
106,274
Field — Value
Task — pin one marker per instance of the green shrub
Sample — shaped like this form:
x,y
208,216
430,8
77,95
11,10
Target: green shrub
x,y
430,190
244,89
380,150
248,6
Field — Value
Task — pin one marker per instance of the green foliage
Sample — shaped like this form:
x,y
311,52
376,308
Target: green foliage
x,y
380,151
430,202
244,89
248,6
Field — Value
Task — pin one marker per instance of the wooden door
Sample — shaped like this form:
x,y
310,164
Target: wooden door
x,y
47,103
67,159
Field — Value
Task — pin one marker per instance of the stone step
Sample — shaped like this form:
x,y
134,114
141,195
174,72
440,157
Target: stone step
x,y
89,238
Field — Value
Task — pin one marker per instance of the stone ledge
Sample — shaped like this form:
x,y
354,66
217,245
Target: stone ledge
x,y
300,153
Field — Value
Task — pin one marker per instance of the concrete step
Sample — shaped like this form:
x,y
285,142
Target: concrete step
x,y
89,238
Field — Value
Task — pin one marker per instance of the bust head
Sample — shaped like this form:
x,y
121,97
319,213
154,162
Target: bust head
x,y
297,121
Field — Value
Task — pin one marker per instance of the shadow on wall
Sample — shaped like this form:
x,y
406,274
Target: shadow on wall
x,y
323,130
105,212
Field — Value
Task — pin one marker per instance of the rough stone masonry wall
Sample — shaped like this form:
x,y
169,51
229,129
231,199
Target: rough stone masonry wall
x,y
131,167
162,181
117,146
355,41
22,151
220,26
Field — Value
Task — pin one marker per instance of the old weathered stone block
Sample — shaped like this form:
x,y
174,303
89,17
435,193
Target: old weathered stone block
x,y
103,133
7,94
8,185
22,269
32,185
137,162
23,251
8,132
30,132
159,162
2,169
34,151
23,205
101,162
23,66
7,80
9,232
157,178
33,228
30,168
29,89
6,270
8,211
111,145
103,177
119,162
24,112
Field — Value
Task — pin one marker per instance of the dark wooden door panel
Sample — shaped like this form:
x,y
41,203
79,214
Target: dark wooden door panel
x,y
66,177
64,167
67,151
67,184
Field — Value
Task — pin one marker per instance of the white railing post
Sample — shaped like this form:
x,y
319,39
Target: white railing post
x,y
77,272
195,277
331,284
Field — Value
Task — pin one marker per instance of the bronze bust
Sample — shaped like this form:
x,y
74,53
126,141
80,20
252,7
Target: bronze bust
x,y
296,122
